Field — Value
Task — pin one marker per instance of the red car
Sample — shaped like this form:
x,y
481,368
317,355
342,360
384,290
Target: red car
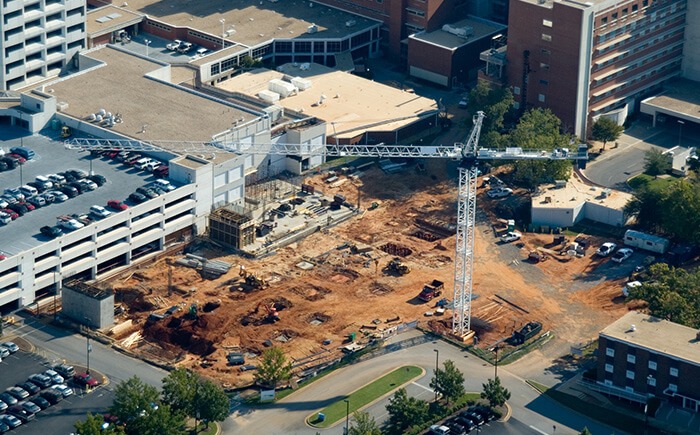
x,y
112,154
21,159
117,205
29,206
84,379
13,214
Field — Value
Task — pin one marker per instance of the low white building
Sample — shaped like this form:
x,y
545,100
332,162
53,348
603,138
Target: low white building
x,y
566,205
678,159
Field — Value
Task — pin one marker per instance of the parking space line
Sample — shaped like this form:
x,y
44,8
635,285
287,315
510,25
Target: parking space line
x,y
423,387
540,431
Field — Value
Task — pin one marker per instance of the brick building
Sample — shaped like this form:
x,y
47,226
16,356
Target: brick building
x,y
586,59
640,356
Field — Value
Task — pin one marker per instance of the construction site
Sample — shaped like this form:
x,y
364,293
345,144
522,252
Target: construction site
x,y
322,267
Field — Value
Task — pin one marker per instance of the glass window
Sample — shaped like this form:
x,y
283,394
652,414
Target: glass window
x,y
516,90
541,98
609,368
629,374
610,351
651,381
673,371
547,23
631,359
546,37
673,387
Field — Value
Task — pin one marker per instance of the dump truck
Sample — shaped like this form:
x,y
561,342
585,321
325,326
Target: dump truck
x,y
431,291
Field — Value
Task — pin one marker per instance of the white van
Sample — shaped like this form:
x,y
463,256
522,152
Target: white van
x,y
57,179
44,182
28,191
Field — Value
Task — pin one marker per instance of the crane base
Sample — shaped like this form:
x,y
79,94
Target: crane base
x,y
468,336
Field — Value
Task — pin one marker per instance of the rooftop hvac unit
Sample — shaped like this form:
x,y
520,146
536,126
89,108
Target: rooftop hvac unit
x,y
98,117
268,96
274,112
284,89
301,84
312,29
92,117
102,112
350,23
462,32
62,106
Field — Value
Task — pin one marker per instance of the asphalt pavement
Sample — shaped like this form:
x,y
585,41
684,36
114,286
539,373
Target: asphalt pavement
x,y
531,412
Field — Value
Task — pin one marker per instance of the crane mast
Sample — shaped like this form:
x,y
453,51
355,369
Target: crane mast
x,y
468,155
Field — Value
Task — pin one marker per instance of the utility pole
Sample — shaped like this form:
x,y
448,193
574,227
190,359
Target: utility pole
x,y
347,416
89,349
437,357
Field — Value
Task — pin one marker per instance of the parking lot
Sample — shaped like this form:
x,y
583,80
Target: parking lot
x,y
59,418
156,49
51,157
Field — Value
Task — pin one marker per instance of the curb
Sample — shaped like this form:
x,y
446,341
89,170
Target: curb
x,y
509,412
423,372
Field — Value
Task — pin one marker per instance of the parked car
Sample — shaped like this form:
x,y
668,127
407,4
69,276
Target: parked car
x,y
148,193
55,377
65,370
37,201
184,47
3,407
29,387
13,214
162,171
10,420
117,205
41,380
511,236
51,231
70,191
15,192
27,205
8,398
5,218
87,185
23,151
163,184
49,197
438,429
41,402
4,353
56,179
84,379
606,249
17,157
63,389
100,180
37,186
152,166
52,396
10,162
60,195
19,208
500,192
3,166
31,407
9,199
77,173
21,413
173,46
132,159
70,224
77,186
18,393
45,182
622,254
99,211
137,197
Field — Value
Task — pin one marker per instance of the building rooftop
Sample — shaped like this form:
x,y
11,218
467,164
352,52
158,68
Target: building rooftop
x,y
251,23
656,335
121,86
108,19
681,98
352,112
473,28
576,192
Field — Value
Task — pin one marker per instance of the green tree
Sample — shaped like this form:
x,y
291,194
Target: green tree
x,y
211,402
449,382
495,102
273,368
364,424
606,130
131,398
494,392
159,421
405,412
179,389
585,431
93,426
655,162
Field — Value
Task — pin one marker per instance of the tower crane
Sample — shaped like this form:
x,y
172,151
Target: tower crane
x,y
467,154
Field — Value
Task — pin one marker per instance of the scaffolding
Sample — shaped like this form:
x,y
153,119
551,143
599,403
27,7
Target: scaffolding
x,y
231,228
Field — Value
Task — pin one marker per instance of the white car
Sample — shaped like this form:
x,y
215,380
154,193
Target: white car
x,y
63,389
164,185
622,254
59,196
630,286
173,46
511,236
606,249
501,192
55,377
70,224
99,211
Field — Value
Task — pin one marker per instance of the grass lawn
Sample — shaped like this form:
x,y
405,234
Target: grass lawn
x,y
642,180
365,395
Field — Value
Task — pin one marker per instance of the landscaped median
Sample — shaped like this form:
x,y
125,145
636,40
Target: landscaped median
x,y
364,396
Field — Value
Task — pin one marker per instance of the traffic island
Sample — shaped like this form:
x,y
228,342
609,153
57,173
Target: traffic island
x,y
366,395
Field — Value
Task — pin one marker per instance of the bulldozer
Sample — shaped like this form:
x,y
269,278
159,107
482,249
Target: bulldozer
x,y
398,267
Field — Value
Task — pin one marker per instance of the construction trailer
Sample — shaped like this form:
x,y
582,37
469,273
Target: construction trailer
x,y
231,228
648,242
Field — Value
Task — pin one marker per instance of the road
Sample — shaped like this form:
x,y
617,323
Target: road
x,y
530,410
56,344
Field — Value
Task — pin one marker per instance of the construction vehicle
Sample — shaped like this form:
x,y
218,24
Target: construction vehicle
x,y
251,280
272,314
66,132
467,154
398,267
193,311
431,291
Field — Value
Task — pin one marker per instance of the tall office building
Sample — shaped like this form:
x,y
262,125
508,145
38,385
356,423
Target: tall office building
x,y
583,59
38,38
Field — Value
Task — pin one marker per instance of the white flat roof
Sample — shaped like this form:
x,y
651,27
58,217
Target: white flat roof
x,y
576,192
656,335
353,103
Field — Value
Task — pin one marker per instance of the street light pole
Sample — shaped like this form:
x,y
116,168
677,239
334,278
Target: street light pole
x,y
89,349
680,130
147,42
495,365
437,356
223,32
347,416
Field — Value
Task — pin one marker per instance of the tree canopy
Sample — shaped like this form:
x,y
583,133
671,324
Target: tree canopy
x,y
606,130
186,392
655,162
405,412
211,402
273,369
672,294
159,421
93,426
494,392
131,398
449,382
495,102
364,424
